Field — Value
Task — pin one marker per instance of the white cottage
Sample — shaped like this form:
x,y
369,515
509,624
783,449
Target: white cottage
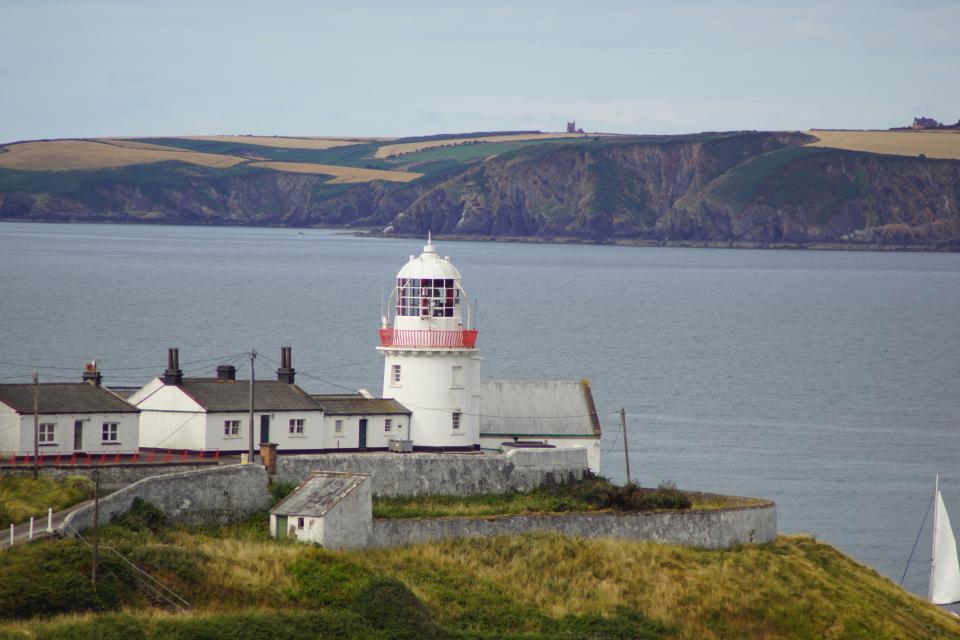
x,y
209,414
531,413
330,508
357,422
82,417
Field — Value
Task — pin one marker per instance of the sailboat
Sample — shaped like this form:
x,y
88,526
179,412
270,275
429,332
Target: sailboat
x,y
944,565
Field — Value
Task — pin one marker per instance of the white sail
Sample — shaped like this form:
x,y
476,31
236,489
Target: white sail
x,y
944,566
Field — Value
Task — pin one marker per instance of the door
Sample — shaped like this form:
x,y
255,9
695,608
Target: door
x,y
78,435
281,527
363,433
264,429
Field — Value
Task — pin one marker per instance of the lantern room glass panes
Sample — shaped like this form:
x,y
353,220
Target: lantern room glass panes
x,y
427,297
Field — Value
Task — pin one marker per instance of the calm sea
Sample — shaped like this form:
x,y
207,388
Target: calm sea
x,y
828,381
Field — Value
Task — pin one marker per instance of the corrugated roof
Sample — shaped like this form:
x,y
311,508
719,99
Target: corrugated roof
x,y
233,395
319,493
63,397
358,405
537,408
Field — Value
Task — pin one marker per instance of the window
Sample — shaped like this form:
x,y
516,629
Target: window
x,y
299,523
395,374
109,433
456,420
435,297
231,428
296,426
338,426
387,425
457,376
45,433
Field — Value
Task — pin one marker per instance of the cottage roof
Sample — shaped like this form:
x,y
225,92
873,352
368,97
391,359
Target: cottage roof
x,y
63,397
538,408
319,493
353,404
233,395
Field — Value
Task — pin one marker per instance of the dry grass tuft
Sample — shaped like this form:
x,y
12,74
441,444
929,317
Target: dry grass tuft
x,y
932,144
340,174
389,150
66,155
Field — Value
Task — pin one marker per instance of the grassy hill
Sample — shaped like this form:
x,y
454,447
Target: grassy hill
x,y
839,189
242,584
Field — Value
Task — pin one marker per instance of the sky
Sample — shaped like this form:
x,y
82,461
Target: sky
x,y
135,68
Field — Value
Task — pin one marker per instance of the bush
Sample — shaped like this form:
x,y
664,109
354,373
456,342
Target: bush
x,y
280,490
166,560
49,577
82,485
387,604
142,517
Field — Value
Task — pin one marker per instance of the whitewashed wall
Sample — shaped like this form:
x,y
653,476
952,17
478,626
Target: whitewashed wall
x,y
376,436
311,439
592,445
9,431
127,433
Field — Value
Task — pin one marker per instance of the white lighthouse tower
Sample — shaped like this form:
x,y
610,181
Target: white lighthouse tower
x,y
431,363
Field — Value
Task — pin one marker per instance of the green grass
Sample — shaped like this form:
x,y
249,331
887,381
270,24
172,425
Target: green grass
x,y
593,494
244,585
21,498
354,155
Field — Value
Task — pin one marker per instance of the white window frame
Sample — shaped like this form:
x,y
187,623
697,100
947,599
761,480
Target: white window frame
x,y
109,432
46,433
395,375
338,427
296,427
387,425
231,429
456,420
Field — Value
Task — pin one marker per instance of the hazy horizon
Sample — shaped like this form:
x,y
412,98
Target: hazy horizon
x,y
110,68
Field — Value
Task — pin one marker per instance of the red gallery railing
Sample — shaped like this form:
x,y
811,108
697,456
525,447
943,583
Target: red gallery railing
x,y
461,339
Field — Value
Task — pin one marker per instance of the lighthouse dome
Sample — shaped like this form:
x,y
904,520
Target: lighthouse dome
x,y
429,264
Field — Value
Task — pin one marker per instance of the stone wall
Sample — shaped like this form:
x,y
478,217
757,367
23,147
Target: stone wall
x,y
215,495
709,529
112,476
400,474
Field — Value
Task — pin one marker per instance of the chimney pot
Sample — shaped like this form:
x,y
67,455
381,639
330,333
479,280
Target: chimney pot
x,y
173,374
91,375
226,372
286,372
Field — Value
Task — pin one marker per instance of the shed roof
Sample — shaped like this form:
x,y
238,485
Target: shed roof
x,y
233,395
538,408
319,493
63,397
354,404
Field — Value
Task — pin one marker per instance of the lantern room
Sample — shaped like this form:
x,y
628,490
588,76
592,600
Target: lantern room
x,y
428,307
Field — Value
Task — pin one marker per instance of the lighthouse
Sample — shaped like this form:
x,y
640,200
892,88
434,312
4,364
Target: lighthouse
x,y
431,363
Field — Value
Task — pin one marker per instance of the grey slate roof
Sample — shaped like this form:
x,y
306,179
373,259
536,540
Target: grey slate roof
x,y
354,404
319,493
63,397
537,408
233,395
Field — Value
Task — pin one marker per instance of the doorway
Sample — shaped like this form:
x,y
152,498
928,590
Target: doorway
x,y
264,429
78,435
363,433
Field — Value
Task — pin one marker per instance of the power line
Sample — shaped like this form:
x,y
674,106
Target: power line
x,y
141,368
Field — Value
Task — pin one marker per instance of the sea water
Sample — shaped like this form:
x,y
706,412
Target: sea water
x,y
826,381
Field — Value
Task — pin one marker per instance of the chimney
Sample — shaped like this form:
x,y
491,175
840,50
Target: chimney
x,y
91,375
173,374
286,372
226,372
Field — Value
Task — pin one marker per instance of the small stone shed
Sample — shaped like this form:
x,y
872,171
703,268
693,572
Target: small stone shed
x,y
331,508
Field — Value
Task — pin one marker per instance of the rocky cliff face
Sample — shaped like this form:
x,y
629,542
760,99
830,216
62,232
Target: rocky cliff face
x,y
747,187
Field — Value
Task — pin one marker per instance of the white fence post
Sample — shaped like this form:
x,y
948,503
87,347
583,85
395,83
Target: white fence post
x,y
49,520
30,535
11,534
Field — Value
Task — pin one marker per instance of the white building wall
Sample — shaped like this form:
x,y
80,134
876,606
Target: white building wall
x,y
280,435
169,418
592,445
9,430
377,437
127,441
427,388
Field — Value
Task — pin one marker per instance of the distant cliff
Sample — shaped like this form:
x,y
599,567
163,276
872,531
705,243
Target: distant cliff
x,y
751,188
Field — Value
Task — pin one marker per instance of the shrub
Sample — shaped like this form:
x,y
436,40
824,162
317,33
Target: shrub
x,y
280,490
142,516
82,485
184,564
387,603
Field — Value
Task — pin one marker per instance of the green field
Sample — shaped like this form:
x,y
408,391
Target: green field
x,y
21,498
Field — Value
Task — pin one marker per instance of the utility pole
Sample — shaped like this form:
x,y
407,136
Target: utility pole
x,y
626,453
96,525
253,356
36,424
